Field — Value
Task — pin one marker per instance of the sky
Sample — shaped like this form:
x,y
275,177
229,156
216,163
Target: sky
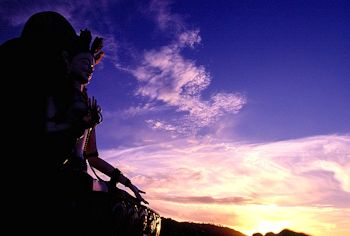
x,y
226,112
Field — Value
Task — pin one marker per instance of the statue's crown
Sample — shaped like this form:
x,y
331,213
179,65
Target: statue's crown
x,y
83,45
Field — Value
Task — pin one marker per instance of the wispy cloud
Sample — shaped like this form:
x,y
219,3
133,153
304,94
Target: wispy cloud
x,y
204,199
160,10
288,169
165,75
189,175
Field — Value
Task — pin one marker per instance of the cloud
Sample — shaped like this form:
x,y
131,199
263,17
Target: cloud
x,y
339,172
189,38
166,78
160,125
204,199
294,180
165,19
282,173
165,75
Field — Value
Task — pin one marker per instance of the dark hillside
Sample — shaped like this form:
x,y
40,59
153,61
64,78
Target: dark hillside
x,y
171,227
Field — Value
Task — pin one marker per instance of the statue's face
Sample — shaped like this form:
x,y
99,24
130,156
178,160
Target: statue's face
x,y
82,65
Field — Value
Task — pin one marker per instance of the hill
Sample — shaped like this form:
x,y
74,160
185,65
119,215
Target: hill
x,y
170,227
285,232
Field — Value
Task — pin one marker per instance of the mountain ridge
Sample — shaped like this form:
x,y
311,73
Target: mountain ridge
x,y
170,227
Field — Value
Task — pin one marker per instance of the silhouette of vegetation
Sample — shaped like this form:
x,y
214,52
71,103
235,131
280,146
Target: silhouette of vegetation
x,y
285,232
173,228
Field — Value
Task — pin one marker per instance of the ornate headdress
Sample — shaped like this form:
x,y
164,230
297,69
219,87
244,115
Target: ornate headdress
x,y
83,45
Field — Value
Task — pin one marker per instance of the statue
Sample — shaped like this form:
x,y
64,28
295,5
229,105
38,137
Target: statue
x,y
63,119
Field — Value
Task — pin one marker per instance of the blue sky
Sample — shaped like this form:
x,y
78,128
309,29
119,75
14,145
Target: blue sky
x,y
209,92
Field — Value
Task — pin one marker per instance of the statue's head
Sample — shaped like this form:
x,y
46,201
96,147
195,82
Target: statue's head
x,y
48,36
84,57
48,32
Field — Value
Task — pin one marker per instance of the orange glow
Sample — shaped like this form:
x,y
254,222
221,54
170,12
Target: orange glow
x,y
268,226
250,188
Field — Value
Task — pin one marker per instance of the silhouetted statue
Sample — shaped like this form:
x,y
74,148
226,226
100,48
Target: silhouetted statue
x,y
62,119
27,66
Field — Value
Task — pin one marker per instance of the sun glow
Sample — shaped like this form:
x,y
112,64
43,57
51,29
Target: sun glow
x,y
269,226
249,188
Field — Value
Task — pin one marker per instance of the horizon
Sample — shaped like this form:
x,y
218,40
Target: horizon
x,y
232,113
222,226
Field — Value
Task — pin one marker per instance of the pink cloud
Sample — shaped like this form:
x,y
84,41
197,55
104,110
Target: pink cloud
x,y
166,76
197,175
203,199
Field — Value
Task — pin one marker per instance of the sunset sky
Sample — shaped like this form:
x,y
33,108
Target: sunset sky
x,y
227,112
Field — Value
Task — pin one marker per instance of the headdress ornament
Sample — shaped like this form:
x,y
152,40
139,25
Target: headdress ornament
x,y
83,44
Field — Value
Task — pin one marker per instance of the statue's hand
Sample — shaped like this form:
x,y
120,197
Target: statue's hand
x,y
95,112
137,192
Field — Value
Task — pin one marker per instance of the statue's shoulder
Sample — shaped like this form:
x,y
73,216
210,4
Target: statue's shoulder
x,y
11,45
